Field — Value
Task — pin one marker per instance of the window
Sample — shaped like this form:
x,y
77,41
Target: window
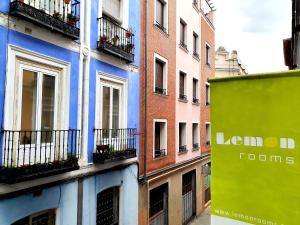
x,y
108,207
207,55
38,101
42,218
195,45
182,137
196,3
158,208
188,197
207,94
112,9
195,136
182,88
161,14
160,138
195,91
160,79
183,34
207,131
206,169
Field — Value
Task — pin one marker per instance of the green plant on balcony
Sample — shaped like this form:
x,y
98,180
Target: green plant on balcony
x,y
115,40
72,19
57,15
129,47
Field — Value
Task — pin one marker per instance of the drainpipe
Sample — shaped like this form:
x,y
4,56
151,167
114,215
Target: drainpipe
x,y
85,51
145,89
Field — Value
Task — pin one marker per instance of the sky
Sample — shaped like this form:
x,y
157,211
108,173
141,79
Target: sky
x,y
255,28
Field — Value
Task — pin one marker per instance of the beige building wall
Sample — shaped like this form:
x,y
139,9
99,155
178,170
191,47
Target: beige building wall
x,y
228,64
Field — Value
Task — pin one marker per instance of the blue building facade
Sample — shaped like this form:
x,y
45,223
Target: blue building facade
x,y
69,111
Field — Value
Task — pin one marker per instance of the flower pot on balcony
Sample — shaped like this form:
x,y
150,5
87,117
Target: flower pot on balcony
x,y
67,2
103,39
72,19
129,47
129,34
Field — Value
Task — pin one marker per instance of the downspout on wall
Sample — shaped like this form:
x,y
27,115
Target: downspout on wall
x,y
145,90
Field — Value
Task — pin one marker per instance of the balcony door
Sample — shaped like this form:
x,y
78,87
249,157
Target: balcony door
x,y
36,120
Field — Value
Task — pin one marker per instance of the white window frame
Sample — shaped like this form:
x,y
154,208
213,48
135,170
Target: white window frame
x,y
166,135
198,132
185,138
40,73
12,90
166,14
197,87
185,83
207,135
123,83
197,42
207,93
185,30
165,71
208,54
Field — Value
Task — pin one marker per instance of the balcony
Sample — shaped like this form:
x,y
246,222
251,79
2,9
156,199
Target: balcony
x,y
116,40
29,155
182,149
195,100
160,91
61,16
160,153
114,145
195,146
183,97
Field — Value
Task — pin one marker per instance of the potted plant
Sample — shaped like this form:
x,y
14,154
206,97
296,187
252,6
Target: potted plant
x,y
103,39
129,47
129,34
72,19
67,2
116,39
57,15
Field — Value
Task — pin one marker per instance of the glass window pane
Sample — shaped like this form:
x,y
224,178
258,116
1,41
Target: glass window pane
x,y
116,110
159,12
29,105
48,101
105,107
159,74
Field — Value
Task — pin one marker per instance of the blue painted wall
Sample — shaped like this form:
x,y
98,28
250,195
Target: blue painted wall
x,y
61,197
133,116
126,180
10,37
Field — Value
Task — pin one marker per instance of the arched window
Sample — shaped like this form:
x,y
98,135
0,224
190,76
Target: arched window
x,y
108,207
41,218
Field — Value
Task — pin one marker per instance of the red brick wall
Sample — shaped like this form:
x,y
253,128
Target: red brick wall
x,y
207,36
158,107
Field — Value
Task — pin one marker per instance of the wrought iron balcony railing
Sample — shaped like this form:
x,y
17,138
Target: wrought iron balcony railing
x,y
114,144
182,97
160,153
195,100
116,40
195,145
32,154
182,149
58,15
160,91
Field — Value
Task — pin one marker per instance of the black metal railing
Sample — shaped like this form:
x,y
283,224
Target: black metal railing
x,y
196,54
195,145
33,154
159,153
182,97
195,100
114,144
160,26
58,15
182,149
116,40
160,91
158,213
183,45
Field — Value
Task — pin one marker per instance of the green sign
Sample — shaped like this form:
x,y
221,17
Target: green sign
x,y
255,149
